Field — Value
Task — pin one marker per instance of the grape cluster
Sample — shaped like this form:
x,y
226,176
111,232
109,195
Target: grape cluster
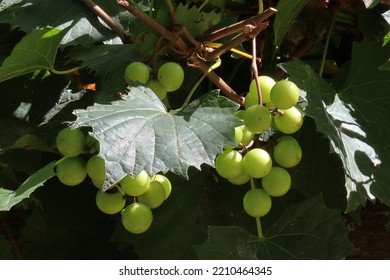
x,y
266,161
170,77
143,192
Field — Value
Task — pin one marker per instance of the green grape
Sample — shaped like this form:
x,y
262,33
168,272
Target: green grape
x,y
240,179
154,195
157,88
252,98
277,182
70,142
239,114
287,152
137,185
290,121
137,218
257,203
110,203
165,182
137,72
284,94
242,135
257,119
229,163
171,76
96,170
257,163
71,171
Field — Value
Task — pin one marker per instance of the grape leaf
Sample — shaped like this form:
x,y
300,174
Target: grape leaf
x,y
10,198
307,230
355,118
195,21
36,51
287,12
27,15
137,133
103,59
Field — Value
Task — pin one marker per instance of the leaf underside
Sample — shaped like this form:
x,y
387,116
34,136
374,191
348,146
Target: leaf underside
x,y
137,133
355,118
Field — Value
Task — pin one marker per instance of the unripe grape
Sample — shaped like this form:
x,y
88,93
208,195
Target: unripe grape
x,y
287,152
257,203
277,182
284,94
242,135
257,163
171,76
110,203
240,179
137,72
135,186
157,88
229,163
71,171
290,121
96,170
70,142
165,182
257,119
266,84
154,196
137,218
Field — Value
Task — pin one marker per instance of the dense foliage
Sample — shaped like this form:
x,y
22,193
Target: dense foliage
x,y
173,141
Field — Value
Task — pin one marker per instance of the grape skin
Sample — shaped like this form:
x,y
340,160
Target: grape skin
x,y
257,203
137,218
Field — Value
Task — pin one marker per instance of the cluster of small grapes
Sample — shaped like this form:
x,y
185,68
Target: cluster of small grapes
x,y
170,77
143,192
251,159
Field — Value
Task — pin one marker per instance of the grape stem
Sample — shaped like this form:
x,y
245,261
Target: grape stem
x,y
249,29
258,222
323,60
211,68
115,27
255,72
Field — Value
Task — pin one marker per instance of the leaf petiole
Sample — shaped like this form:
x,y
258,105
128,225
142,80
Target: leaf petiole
x,y
64,72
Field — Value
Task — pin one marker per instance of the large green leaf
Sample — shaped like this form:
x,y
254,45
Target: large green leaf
x,y
355,118
9,198
308,230
137,133
36,51
287,12
28,14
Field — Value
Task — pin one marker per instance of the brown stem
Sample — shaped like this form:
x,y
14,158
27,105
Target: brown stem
x,y
239,26
243,36
177,43
116,27
255,72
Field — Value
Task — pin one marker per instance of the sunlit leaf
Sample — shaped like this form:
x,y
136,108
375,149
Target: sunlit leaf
x,y
137,133
36,51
